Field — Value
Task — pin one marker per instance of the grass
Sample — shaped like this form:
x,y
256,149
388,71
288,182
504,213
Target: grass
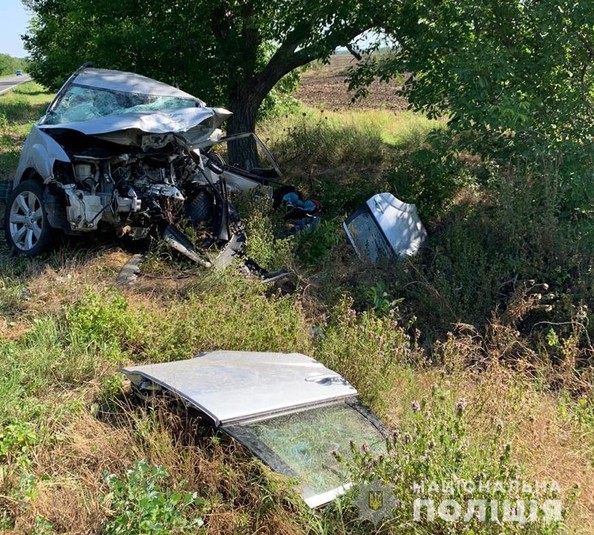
x,y
460,326
20,108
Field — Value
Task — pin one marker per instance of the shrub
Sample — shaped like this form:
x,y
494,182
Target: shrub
x,y
226,310
367,348
313,246
262,228
429,176
103,323
143,504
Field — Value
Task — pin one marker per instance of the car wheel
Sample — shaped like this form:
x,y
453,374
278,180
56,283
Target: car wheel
x,y
27,228
200,208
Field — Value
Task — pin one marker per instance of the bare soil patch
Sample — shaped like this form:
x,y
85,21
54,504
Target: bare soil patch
x,y
325,86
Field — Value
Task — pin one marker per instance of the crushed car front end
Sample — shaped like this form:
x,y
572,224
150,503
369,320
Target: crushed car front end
x,y
120,152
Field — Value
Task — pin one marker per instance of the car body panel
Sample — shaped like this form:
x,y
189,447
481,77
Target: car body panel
x,y
230,386
194,125
40,153
385,227
289,410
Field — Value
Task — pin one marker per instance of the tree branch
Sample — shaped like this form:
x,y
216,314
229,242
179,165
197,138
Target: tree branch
x,y
354,52
287,57
587,44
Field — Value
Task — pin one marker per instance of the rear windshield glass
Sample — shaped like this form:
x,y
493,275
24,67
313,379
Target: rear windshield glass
x,y
367,237
306,443
81,103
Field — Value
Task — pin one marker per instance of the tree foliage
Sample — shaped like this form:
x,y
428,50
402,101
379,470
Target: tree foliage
x,y
10,64
513,73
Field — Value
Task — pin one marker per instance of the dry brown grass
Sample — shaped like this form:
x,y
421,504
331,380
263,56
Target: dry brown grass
x,y
71,488
70,476
553,449
69,505
547,447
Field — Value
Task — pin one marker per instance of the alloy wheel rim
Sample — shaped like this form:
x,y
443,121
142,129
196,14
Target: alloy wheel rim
x,y
25,220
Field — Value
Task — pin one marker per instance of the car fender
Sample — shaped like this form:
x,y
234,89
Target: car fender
x,y
40,153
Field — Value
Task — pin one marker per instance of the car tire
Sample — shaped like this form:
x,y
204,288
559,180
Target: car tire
x,y
26,225
200,208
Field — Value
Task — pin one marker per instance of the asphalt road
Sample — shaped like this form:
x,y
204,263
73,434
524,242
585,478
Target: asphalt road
x,y
10,82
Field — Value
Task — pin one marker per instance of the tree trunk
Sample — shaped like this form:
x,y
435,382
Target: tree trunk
x,y
247,97
243,152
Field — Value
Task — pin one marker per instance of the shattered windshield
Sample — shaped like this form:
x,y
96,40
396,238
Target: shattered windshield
x,y
82,103
307,441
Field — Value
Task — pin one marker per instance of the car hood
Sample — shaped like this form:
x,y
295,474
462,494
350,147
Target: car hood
x,y
193,125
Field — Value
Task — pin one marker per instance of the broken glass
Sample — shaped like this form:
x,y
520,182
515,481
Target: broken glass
x,y
82,103
367,238
306,443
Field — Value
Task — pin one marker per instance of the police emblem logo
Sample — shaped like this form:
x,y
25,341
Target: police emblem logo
x,y
375,499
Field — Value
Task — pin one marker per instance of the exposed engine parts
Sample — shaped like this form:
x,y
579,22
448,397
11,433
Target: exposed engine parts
x,y
129,192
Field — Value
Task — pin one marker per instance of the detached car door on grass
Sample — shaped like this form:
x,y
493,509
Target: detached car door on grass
x,y
287,409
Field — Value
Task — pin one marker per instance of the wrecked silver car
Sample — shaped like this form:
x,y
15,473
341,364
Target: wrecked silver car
x,y
120,152
289,410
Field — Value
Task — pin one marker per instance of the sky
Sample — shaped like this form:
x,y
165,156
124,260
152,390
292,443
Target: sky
x,y
13,23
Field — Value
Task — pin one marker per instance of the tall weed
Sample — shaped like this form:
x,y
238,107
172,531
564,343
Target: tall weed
x,y
368,349
432,459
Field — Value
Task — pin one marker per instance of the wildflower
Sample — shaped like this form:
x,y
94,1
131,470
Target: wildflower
x,y
460,405
350,313
416,406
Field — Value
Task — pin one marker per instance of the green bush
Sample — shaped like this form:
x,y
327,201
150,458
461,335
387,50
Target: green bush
x,y
313,246
226,310
429,176
16,441
9,64
263,244
144,504
324,141
367,348
103,323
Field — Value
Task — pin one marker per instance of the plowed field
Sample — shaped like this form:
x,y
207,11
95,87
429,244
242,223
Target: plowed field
x,y
325,87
